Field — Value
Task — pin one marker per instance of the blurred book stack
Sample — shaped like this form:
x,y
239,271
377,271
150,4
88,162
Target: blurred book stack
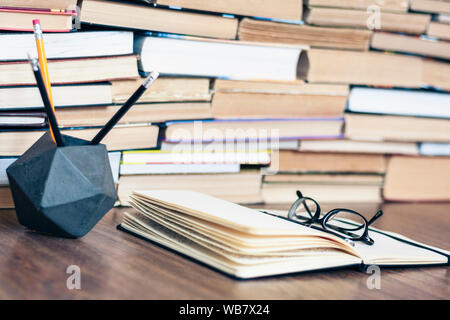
x,y
347,100
398,103
82,66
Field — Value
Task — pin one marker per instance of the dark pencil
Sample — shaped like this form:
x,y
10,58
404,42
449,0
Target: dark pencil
x,y
124,109
48,107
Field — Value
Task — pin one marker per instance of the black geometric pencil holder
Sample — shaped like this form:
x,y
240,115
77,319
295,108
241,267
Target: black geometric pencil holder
x,y
63,191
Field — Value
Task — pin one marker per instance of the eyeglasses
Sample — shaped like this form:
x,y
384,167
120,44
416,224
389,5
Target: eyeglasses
x,y
306,211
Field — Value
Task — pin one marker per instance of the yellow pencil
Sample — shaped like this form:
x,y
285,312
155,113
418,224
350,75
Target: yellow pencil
x,y
43,64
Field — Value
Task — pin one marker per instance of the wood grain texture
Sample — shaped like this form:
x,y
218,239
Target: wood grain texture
x,y
117,265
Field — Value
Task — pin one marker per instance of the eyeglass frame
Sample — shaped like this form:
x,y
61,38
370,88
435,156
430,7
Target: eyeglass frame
x,y
329,215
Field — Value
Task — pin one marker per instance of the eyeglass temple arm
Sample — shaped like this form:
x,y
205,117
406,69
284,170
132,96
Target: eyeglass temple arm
x,y
375,217
300,196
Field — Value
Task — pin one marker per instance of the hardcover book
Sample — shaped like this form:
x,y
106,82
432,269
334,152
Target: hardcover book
x,y
290,10
413,23
15,46
69,71
19,19
254,129
144,17
191,56
14,143
221,185
301,34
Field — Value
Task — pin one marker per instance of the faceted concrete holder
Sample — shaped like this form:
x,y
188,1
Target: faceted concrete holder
x,y
63,191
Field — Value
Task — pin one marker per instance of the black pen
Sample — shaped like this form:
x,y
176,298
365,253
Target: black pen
x,y
124,109
54,130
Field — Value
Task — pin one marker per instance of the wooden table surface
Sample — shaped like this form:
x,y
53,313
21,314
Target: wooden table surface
x,y
116,265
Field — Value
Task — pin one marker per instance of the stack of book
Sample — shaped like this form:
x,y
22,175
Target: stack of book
x,y
82,66
346,100
213,155
397,126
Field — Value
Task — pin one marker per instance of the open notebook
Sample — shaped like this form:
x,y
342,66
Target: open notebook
x,y
247,243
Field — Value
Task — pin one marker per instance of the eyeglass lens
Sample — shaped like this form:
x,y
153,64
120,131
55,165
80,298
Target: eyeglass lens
x,y
305,210
345,223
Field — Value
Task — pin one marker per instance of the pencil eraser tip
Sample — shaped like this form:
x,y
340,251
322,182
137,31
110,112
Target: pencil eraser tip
x,y
36,21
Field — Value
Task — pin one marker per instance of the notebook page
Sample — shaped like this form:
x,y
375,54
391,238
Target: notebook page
x,y
446,252
388,251
250,269
227,235
228,214
293,247
242,257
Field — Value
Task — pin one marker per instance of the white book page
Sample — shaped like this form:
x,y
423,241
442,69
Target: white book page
x,y
114,162
401,102
237,60
169,168
4,164
388,251
242,266
225,213
229,238
67,45
187,155
434,149
21,120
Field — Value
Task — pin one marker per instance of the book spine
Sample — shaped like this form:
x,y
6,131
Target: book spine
x,y
63,12
31,30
